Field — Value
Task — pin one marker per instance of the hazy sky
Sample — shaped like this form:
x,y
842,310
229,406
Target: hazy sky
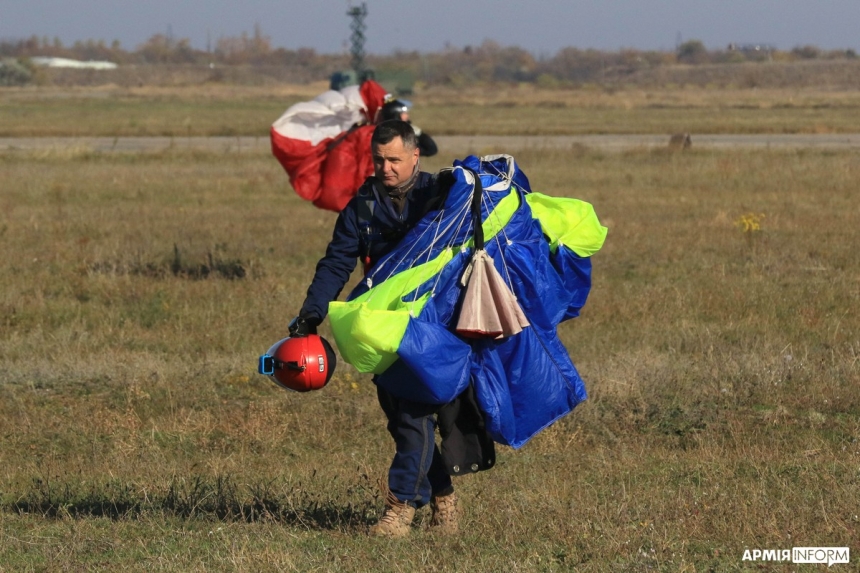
x,y
540,26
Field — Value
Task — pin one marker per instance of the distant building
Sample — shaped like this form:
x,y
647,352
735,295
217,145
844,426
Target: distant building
x,y
752,48
67,63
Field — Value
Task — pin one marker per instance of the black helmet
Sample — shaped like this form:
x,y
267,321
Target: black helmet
x,y
392,110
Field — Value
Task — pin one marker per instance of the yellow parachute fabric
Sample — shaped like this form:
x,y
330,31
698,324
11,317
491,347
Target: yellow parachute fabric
x,y
368,329
569,222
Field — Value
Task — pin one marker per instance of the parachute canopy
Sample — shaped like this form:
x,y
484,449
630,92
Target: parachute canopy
x,y
324,144
401,322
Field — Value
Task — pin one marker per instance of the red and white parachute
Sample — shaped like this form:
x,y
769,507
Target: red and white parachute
x,y
324,144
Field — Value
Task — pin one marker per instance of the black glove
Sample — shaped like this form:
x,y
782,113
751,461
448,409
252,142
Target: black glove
x,y
304,324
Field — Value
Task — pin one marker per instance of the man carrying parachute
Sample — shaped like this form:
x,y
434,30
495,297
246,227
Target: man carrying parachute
x,y
467,275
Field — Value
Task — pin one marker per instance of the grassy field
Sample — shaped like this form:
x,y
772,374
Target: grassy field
x,y
498,110
720,348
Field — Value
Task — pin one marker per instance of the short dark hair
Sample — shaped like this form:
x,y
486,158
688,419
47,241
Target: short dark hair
x,y
386,131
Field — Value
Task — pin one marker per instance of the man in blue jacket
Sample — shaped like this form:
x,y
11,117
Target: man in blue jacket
x,y
385,208
373,222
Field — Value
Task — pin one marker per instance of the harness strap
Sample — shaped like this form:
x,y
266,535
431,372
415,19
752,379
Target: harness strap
x,y
366,207
477,195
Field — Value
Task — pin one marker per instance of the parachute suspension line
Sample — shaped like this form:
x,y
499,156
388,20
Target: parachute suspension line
x,y
513,189
409,255
384,263
459,220
504,176
429,252
370,280
443,231
507,178
448,245
465,213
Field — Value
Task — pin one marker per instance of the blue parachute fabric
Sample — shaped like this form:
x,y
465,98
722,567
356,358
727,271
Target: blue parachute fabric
x,y
532,368
492,391
430,343
525,382
499,166
575,271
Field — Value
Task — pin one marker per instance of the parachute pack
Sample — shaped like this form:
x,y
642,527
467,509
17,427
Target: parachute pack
x,y
324,144
473,294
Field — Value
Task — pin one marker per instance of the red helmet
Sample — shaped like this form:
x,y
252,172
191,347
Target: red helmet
x,y
300,363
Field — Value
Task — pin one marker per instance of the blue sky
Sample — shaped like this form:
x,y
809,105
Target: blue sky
x,y
540,26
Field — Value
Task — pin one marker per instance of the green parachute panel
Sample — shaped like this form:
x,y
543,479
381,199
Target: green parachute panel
x,y
569,222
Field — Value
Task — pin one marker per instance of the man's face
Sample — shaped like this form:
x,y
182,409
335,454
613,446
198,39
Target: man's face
x,y
393,163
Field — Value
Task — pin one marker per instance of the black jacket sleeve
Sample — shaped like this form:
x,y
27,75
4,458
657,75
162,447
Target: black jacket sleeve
x,y
426,145
335,268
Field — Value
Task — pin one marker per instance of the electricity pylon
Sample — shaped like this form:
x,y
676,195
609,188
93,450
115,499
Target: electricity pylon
x,y
358,13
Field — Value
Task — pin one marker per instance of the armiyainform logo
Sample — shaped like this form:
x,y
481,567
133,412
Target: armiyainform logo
x,y
828,555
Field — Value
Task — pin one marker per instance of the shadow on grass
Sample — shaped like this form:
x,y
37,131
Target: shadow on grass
x,y
216,499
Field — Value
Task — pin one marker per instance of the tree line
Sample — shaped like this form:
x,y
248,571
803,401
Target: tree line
x,y
489,61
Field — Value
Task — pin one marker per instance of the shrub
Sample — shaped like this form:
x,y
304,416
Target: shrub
x,y
13,73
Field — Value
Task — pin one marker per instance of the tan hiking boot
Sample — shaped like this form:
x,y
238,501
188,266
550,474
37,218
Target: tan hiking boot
x,y
445,518
396,519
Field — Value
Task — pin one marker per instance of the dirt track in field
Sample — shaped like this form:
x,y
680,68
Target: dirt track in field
x,y
452,144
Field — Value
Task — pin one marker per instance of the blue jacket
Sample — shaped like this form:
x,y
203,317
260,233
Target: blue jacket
x,y
368,228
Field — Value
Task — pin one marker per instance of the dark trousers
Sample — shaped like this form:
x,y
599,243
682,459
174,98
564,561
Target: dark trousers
x,y
417,470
